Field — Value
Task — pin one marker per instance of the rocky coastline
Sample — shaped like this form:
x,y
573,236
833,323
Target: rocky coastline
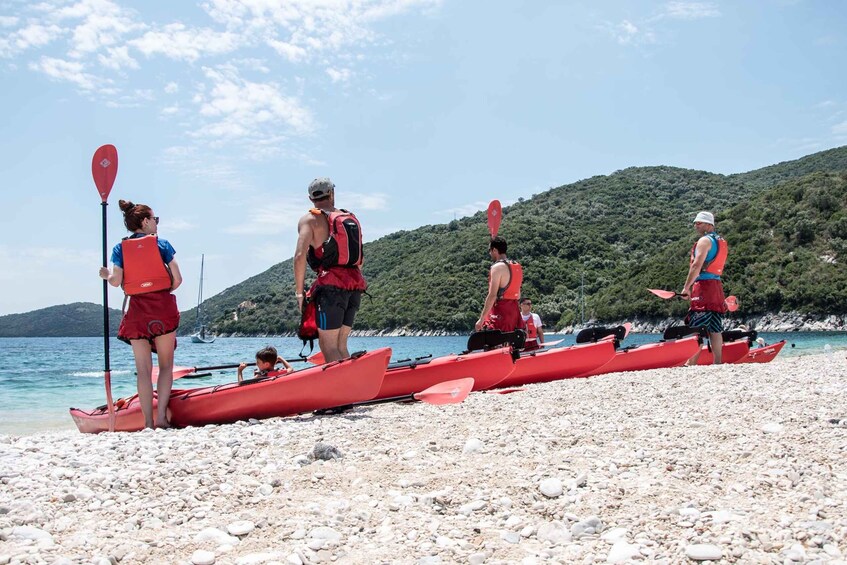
x,y
771,322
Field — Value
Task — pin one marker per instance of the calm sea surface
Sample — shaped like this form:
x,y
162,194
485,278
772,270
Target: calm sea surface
x,y
40,378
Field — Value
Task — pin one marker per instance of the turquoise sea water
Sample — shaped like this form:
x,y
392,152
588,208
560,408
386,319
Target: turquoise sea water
x,y
40,378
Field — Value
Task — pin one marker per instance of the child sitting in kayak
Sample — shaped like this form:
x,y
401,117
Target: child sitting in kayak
x,y
266,360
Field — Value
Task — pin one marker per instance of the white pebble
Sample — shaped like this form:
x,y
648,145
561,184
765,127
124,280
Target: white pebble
x,y
473,445
622,551
772,428
202,557
703,552
241,527
551,488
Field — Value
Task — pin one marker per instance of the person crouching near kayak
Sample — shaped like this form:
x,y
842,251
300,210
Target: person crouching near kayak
x,y
144,265
703,285
501,311
330,241
266,361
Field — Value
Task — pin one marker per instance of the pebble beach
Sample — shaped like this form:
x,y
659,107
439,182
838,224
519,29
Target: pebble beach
x,y
726,464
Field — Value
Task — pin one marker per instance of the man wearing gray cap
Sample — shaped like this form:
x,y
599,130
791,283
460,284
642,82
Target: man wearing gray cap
x,y
330,241
703,285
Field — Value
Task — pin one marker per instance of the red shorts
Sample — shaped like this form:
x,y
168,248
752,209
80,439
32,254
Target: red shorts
x,y
707,296
505,316
149,316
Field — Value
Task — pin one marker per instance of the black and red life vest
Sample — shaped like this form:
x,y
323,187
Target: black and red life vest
x,y
343,247
144,269
512,290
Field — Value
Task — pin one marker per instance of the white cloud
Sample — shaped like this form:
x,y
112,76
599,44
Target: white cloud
x,y
31,36
117,58
271,217
104,24
69,71
691,10
178,42
840,129
238,108
825,104
8,21
339,75
359,201
171,88
627,33
177,224
465,210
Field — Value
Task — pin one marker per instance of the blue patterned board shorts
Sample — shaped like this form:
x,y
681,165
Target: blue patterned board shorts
x,y
712,321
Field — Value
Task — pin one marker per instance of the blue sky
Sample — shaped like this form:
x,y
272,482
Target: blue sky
x,y
420,110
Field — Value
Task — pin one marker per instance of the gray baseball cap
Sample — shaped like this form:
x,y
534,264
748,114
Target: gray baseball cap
x,y
320,188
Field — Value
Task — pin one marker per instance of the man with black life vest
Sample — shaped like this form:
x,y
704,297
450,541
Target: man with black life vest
x,y
531,325
501,311
330,241
703,285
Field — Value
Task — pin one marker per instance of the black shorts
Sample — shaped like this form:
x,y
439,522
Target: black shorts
x,y
336,307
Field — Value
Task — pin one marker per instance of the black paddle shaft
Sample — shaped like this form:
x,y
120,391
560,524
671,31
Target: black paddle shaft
x,y
105,296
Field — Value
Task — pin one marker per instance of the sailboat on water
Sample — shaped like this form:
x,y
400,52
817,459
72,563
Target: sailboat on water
x,y
200,335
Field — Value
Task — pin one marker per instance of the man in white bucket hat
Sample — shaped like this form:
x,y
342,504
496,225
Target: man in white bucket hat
x,y
703,285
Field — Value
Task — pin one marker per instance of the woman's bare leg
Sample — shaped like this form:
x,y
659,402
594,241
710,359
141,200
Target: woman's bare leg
x,y
144,368
165,345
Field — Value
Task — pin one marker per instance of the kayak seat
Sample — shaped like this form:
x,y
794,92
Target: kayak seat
x,y
489,339
591,335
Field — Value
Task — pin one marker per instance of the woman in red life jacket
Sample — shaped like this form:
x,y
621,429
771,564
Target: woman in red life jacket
x,y
266,360
703,285
501,311
144,266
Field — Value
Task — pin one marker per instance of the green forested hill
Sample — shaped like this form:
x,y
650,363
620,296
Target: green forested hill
x,y
786,225
80,319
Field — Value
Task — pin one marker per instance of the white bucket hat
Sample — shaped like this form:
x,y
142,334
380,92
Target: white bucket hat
x,y
705,217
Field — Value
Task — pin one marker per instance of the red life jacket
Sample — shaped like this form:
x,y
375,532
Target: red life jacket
x,y
144,269
343,247
512,290
716,265
531,330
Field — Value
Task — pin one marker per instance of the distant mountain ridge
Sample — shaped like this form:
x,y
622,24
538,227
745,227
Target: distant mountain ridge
x,y
80,319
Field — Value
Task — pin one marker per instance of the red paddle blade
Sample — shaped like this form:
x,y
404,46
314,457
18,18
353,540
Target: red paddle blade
x,y
104,169
179,372
317,358
627,326
731,303
662,293
495,214
448,392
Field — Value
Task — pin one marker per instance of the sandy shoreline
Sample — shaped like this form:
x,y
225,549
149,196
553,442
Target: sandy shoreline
x,y
740,463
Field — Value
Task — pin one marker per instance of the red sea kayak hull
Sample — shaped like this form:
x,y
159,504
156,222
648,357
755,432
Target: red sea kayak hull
x,y
763,354
563,363
672,353
487,368
733,351
313,388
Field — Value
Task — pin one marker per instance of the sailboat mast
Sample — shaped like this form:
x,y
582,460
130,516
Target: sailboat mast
x,y
200,292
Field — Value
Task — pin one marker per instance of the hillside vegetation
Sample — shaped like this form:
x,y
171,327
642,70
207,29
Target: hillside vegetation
x,y
786,225
80,319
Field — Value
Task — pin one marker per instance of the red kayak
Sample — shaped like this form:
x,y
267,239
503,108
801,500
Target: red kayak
x,y
487,368
733,351
323,386
763,354
564,363
671,353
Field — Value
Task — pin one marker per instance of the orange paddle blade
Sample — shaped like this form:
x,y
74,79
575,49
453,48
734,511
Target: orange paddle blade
x,y
731,303
495,214
317,358
104,169
663,293
448,392
179,372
